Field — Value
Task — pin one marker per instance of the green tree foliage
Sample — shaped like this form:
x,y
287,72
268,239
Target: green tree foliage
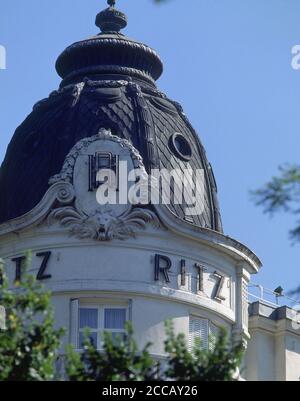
x,y
219,364
160,1
29,343
121,361
282,193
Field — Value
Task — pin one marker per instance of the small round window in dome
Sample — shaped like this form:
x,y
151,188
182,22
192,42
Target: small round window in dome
x,y
180,147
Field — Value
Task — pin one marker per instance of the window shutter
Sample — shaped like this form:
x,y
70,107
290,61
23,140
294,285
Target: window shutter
x,y
214,333
74,314
198,330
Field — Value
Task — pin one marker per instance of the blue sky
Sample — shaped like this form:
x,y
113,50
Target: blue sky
x,y
228,62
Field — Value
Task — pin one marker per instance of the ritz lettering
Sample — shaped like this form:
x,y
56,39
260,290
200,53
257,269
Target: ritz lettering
x,y
163,265
162,268
42,274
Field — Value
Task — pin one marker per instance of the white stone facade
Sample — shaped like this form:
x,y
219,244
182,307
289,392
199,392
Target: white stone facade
x,y
207,277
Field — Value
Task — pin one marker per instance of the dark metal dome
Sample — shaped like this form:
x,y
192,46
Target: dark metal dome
x,y
108,82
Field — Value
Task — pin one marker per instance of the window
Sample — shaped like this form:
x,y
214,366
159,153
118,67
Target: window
x,y
102,161
203,330
99,319
180,147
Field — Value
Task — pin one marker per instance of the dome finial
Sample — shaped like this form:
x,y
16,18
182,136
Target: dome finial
x,y
111,20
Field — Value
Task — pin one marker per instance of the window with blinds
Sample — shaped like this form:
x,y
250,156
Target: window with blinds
x,y
214,333
101,319
202,332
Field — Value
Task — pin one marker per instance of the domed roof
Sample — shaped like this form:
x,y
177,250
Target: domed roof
x,y
108,82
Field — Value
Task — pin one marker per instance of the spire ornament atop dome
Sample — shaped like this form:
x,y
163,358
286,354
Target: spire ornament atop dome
x,y
109,53
111,19
111,3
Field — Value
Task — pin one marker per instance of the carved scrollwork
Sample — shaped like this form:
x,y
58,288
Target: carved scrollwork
x,y
99,222
66,173
65,193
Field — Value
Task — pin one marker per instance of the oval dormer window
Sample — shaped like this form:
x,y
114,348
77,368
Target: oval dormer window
x,y
180,147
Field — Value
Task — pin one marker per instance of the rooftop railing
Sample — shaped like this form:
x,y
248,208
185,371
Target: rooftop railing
x,y
257,292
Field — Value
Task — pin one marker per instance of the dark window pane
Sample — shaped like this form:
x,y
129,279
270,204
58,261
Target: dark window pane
x,y
88,318
114,318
